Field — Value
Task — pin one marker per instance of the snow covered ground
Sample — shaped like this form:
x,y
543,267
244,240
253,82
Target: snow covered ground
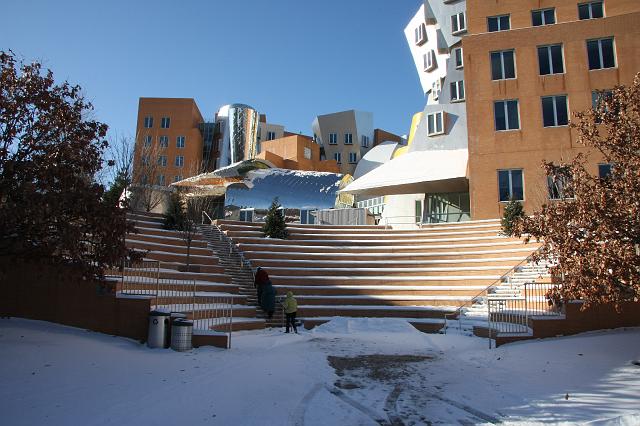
x,y
346,372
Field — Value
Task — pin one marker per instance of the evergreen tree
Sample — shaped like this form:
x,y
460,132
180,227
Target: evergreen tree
x,y
512,213
274,224
174,215
112,195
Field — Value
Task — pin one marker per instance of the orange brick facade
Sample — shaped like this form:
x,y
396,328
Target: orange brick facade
x,y
296,152
527,147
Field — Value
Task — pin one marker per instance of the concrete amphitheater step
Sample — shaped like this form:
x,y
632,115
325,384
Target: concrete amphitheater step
x,y
164,239
181,249
333,263
390,271
381,242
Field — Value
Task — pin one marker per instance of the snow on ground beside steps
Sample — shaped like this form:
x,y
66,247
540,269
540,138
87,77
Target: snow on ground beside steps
x,y
56,375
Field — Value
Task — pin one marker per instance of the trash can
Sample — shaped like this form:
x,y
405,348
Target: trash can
x,y
174,316
181,334
158,326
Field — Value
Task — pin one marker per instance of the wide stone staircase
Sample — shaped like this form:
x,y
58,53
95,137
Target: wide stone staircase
x,y
368,271
202,290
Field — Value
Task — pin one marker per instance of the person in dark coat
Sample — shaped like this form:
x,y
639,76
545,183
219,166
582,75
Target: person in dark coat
x,y
260,281
268,303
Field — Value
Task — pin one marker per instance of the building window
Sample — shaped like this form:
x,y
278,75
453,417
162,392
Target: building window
x,y
554,111
160,179
436,88
498,23
162,160
271,136
145,160
148,122
458,23
148,140
511,185
559,187
165,122
506,115
179,161
543,17
177,178
601,53
307,153
435,123
598,100
420,34
457,91
503,65
348,139
365,141
180,141
164,141
457,54
353,157
550,59
591,10
145,179
429,60
604,170
333,139
338,157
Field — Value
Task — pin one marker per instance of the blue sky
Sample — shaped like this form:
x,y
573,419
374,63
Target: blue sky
x,y
290,59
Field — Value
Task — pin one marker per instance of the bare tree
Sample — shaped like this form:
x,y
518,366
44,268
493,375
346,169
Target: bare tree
x,y
149,157
119,171
196,202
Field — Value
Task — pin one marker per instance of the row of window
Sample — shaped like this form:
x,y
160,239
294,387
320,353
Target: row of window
x,y
555,112
600,53
348,139
162,160
588,10
165,122
160,180
164,141
353,157
511,184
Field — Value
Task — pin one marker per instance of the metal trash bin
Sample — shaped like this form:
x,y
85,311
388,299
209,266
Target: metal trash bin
x,y
174,316
158,326
181,334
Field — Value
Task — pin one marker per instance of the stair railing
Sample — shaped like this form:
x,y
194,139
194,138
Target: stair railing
x,y
506,277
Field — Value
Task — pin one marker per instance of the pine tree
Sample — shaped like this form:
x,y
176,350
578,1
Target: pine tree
x,y
174,215
512,213
274,224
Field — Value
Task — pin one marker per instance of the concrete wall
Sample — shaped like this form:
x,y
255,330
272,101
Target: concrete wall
x,y
41,291
527,147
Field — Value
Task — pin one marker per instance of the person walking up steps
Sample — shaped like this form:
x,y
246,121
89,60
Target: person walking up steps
x,y
290,305
260,282
268,301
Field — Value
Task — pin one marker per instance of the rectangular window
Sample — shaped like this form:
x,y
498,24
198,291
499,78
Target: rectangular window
x,y
591,10
604,170
435,123
503,65
145,179
271,136
165,122
436,88
554,111
148,122
498,23
457,54
559,187
145,160
506,115
543,17
333,139
458,23
179,161
162,160
420,34
348,139
365,141
160,179
180,141
457,91
550,59
353,157
148,140
338,157
177,178
511,185
164,141
429,60
598,101
601,53
307,153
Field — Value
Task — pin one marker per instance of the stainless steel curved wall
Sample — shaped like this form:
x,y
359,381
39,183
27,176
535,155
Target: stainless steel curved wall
x,y
240,133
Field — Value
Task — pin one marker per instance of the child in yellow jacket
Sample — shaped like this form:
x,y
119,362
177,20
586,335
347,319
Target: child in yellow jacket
x,y
290,305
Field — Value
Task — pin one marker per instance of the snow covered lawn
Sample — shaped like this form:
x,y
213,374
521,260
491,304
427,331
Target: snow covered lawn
x,y
346,372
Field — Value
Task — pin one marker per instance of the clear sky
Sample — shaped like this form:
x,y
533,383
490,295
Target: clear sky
x,y
290,59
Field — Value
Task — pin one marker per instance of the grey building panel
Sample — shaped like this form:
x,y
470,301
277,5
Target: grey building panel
x,y
441,12
455,136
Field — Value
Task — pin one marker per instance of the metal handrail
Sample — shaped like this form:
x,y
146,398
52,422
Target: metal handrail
x,y
504,276
208,217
